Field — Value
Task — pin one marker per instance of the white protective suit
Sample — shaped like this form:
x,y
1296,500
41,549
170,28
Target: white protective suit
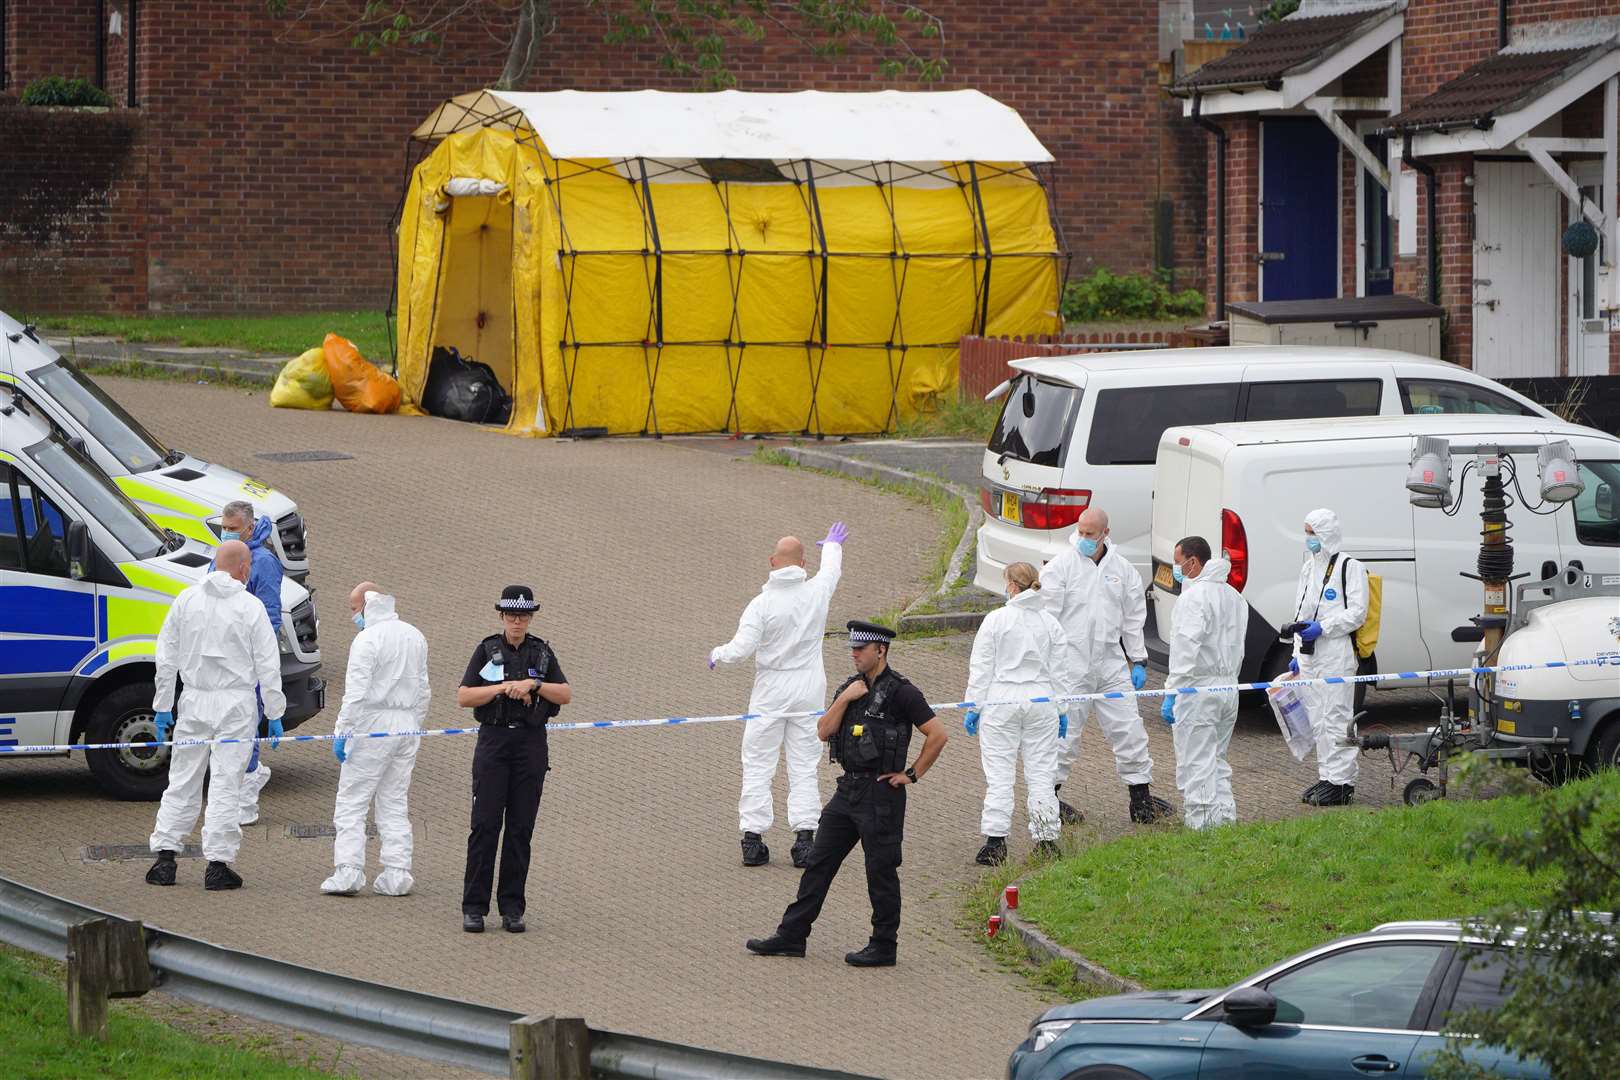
x,y
217,639
1099,604
1339,603
385,689
1016,654
1206,649
782,629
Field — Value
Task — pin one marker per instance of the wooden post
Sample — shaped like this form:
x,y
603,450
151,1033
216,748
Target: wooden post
x,y
550,1048
106,959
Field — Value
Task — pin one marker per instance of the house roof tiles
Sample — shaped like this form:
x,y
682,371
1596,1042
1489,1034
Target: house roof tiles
x,y
1493,86
1280,48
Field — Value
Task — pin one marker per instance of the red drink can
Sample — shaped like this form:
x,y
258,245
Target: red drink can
x,y
1012,897
993,927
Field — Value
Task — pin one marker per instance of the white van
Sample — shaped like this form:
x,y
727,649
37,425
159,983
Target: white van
x,y
176,490
86,579
1247,488
1078,430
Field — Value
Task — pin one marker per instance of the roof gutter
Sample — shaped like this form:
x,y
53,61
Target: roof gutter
x,y
1220,202
1434,241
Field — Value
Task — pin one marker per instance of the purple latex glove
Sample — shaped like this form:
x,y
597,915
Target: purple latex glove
x,y
835,535
711,661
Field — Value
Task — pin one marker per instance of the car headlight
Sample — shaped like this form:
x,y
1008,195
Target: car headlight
x,y
1049,1032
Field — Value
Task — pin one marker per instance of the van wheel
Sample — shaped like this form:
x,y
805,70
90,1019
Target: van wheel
x,y
135,773
1603,752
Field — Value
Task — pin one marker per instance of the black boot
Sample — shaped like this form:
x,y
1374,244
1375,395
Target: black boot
x,y
513,924
1047,849
472,922
1146,808
221,877
1337,795
162,871
876,954
994,852
1314,792
754,851
775,945
1067,814
801,847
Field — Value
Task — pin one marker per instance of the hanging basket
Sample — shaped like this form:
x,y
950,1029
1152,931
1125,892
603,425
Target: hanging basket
x,y
1580,240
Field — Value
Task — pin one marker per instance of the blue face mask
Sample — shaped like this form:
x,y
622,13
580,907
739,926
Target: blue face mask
x,y
1175,572
1085,545
230,534
1314,544
360,619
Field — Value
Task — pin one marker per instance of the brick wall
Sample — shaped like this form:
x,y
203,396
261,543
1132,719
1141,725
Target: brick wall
x,y
271,168
1242,211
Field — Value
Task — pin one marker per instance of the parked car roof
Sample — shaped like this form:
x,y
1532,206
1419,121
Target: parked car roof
x,y
1066,368
1334,429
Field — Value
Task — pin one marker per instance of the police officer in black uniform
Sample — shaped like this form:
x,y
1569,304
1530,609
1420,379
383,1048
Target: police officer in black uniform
x,y
513,686
868,729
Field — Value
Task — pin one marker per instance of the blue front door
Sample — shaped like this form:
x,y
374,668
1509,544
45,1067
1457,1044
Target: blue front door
x,y
1299,210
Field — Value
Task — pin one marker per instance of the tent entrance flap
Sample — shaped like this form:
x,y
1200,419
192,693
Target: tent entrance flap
x,y
473,308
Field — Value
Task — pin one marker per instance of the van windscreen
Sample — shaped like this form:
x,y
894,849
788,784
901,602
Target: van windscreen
x,y
1036,417
1127,422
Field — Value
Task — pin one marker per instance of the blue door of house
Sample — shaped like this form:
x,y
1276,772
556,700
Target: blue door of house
x,y
1299,210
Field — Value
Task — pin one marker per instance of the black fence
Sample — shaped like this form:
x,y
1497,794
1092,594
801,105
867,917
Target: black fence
x,y
1596,398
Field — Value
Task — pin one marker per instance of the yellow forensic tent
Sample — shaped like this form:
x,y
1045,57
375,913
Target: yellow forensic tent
x,y
652,262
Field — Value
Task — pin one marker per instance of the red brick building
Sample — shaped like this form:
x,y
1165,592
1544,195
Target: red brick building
x,y
243,172
1494,120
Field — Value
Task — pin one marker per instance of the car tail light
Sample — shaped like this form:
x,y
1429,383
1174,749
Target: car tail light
x,y
1055,508
1235,545
984,501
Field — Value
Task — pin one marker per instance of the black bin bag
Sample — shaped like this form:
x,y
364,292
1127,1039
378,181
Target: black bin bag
x,y
460,388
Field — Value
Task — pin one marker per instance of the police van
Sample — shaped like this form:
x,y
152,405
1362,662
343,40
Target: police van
x,y
176,490
86,578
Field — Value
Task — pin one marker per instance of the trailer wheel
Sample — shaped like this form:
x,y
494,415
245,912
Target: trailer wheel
x,y
136,773
1603,752
1420,791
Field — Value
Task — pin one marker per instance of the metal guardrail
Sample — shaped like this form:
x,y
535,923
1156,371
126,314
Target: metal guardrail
x,y
418,1025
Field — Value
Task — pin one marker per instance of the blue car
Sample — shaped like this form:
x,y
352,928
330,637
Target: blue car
x,y
1369,1005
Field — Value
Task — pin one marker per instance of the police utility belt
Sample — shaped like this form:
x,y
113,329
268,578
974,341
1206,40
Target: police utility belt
x,y
872,740
533,655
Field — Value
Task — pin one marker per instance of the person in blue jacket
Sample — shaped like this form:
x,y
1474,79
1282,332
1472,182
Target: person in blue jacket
x,y
237,522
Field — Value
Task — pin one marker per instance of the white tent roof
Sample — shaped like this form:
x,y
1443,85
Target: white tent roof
x,y
885,125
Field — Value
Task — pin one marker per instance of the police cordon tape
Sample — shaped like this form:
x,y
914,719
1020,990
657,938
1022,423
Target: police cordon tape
x,y
671,721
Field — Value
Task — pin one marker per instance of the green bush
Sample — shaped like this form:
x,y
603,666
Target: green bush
x,y
55,90
1106,295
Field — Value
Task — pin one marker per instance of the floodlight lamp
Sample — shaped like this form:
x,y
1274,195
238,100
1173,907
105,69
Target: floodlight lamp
x,y
1560,478
1429,478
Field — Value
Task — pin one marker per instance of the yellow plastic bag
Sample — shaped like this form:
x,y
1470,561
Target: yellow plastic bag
x,y
303,382
360,386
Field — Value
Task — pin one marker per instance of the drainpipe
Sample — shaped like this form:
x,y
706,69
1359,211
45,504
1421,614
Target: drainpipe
x,y
1434,240
1501,24
1220,202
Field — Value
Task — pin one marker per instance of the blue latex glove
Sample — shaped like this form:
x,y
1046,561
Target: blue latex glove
x,y
970,721
1138,676
1167,711
275,733
1311,631
165,724
835,535
1063,725
1293,664
340,750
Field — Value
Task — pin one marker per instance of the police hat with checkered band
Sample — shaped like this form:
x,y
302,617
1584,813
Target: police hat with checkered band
x,y
862,633
516,600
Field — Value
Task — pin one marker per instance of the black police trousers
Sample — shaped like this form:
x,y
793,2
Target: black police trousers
x,y
872,812
509,769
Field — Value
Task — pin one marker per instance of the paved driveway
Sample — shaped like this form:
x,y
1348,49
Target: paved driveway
x,y
643,554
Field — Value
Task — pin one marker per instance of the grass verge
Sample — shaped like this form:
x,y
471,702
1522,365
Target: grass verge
x,y
947,507
1170,908
281,335
968,419
34,1040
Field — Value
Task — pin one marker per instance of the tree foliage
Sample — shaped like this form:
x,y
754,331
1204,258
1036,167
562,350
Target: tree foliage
x,y
1563,968
693,37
